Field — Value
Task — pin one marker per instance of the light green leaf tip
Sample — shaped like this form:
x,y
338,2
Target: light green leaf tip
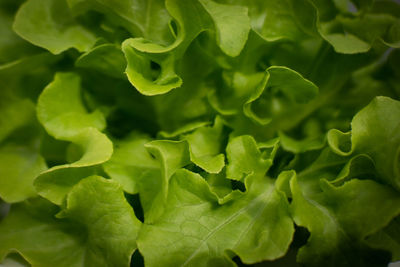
x,y
375,132
141,76
205,147
230,23
245,158
50,24
171,155
62,113
232,26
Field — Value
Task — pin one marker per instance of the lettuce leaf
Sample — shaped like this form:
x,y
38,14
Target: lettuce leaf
x,y
74,237
61,122
199,132
51,25
257,226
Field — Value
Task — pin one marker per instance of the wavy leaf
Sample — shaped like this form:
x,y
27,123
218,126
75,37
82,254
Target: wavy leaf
x,y
256,226
192,17
62,113
377,124
101,232
49,24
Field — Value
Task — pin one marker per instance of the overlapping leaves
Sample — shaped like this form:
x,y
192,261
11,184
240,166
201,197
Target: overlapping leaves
x,y
227,125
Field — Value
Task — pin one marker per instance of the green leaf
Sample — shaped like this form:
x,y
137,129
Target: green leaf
x,y
232,26
16,113
345,216
140,74
221,186
102,232
183,130
377,25
130,161
19,166
392,37
112,226
326,165
276,20
197,65
280,20
105,58
20,133
146,167
375,133
61,110
388,239
62,113
360,167
144,18
49,24
31,225
12,47
298,20
284,87
210,118
357,34
14,260
238,88
256,226
205,147
245,158
153,189
303,145
347,44
55,183
192,17
340,142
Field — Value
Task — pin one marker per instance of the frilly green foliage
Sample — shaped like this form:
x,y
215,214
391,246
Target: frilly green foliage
x,y
200,132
